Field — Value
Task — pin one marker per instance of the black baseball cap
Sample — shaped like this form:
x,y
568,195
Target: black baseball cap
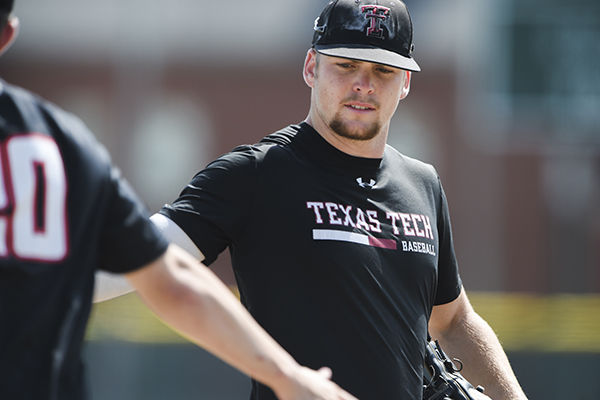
x,y
378,31
6,5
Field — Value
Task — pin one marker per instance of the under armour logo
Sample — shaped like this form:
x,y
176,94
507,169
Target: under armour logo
x,y
366,185
377,14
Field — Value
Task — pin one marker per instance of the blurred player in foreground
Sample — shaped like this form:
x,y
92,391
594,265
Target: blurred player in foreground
x,y
66,212
342,246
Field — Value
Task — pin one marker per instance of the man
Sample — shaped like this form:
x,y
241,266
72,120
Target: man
x,y
341,246
65,212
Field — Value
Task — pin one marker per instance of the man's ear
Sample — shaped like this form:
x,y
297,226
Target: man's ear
x,y
9,34
406,87
310,67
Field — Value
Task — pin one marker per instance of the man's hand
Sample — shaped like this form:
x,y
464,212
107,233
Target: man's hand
x,y
308,384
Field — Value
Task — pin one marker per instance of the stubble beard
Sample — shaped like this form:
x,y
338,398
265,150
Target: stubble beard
x,y
342,129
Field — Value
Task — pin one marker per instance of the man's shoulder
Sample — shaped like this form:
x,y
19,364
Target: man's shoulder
x,y
255,152
8,89
282,137
26,101
413,165
26,111
23,112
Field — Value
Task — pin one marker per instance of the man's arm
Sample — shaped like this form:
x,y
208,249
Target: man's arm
x,y
109,286
194,301
463,334
175,234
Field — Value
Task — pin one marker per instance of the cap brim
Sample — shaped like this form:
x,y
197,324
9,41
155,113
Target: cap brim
x,y
370,54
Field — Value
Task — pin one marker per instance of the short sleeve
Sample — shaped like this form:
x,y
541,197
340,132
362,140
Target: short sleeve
x,y
129,240
213,208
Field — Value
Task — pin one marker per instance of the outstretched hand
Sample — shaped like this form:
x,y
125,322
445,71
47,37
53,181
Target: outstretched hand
x,y
309,384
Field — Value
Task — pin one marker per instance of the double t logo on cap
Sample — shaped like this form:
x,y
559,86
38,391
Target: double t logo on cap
x,y
376,31
377,14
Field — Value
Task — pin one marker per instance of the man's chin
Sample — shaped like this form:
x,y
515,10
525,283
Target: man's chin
x,y
363,132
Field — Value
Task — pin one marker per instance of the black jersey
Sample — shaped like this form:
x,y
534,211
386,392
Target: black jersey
x,y
339,258
65,211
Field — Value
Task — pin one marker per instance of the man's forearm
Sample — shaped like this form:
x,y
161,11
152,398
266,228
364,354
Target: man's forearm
x,y
109,286
198,305
485,363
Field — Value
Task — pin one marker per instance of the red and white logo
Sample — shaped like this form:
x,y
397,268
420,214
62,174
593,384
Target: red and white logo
x,y
377,14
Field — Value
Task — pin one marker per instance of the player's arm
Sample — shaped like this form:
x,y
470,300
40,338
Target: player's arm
x,y
109,286
191,299
463,334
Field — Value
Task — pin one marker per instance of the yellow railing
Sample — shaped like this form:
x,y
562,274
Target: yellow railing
x,y
523,322
557,323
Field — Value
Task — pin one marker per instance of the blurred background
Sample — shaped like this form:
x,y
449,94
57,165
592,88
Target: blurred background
x,y
507,107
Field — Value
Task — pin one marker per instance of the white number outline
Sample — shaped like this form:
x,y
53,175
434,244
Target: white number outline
x,y
21,156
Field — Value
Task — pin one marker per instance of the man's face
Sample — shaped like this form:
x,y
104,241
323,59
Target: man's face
x,y
355,99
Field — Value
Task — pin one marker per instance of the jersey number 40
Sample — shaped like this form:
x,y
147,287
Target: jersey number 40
x,y
33,193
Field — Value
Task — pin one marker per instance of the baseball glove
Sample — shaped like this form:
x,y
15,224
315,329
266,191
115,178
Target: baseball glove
x,y
443,380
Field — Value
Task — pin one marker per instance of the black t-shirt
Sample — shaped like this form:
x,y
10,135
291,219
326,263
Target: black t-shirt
x,y
339,258
65,212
